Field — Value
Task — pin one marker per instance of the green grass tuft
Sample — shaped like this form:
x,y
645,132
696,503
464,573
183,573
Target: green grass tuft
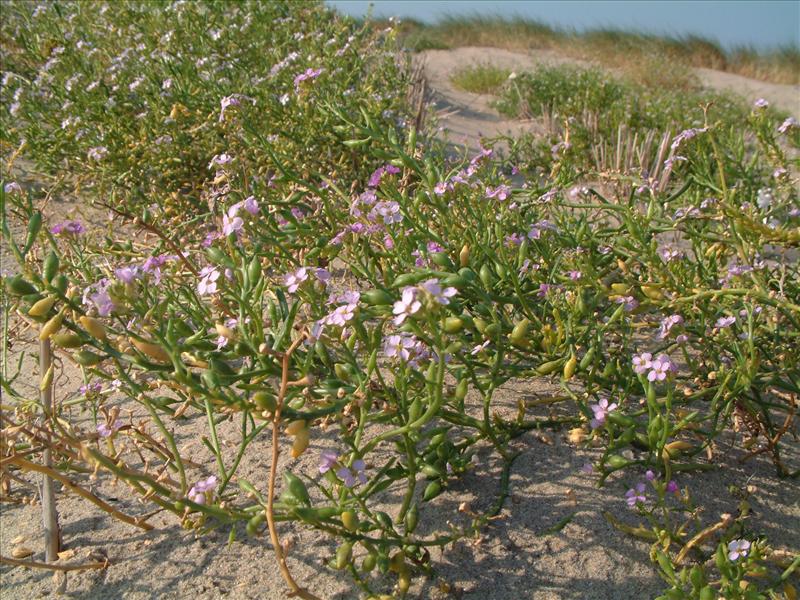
x,y
480,79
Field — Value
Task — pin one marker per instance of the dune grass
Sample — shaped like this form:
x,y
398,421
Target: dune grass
x,y
480,79
625,50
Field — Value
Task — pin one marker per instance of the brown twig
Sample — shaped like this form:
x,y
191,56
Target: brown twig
x,y
31,466
273,532
50,566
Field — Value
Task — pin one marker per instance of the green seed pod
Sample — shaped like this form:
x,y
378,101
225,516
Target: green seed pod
x,y
369,562
486,276
265,401
480,325
350,520
87,358
620,419
296,488
461,389
67,339
411,518
442,260
218,257
454,348
342,372
549,367
210,379
433,489
493,330
615,461
254,523
50,266
431,471
60,284
411,278
377,298
254,271
587,359
344,555
384,520
415,410
17,286
453,325
468,274
519,334
500,270
34,226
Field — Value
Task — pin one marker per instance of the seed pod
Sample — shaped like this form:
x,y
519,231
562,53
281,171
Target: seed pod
x,y
151,350
34,226
442,260
254,523
94,327
587,359
295,427
87,358
615,461
461,389
344,554
51,327
397,562
548,367
350,520
433,489
411,518
369,562
50,266
410,278
17,286
480,324
384,520
225,331
403,580
415,410
377,298
652,292
519,334
296,488
486,276
42,307
675,448
67,339
264,401
569,367
60,283
254,271
453,325
300,442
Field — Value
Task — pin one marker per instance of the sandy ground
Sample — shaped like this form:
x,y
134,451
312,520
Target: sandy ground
x,y
514,558
467,117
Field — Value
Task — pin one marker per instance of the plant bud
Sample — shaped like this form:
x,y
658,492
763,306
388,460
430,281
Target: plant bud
x,y
151,350
463,256
300,442
350,520
51,327
295,427
94,327
42,307
569,367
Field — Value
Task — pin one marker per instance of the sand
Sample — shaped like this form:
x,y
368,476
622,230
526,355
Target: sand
x,y
515,557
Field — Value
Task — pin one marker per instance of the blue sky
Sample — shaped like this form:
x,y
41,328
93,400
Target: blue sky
x,y
763,24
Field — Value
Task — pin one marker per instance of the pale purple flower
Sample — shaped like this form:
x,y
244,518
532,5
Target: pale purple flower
x,y
779,173
536,229
231,226
661,367
203,491
441,188
764,199
389,210
642,363
501,192
636,495
434,288
97,154
308,74
127,274
399,346
574,275
97,295
629,302
340,316
723,322
672,487
208,281
67,228
738,549
327,460
348,476
220,160
685,135
295,280
479,348
788,124
761,103
406,306
667,324
225,104
105,430
587,468
12,187
649,475
91,388
601,410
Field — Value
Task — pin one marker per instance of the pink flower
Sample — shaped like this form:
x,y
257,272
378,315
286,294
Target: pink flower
x,y
67,228
661,368
601,410
294,280
642,363
406,306
203,491
738,549
208,281
231,225
105,430
636,495
434,288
